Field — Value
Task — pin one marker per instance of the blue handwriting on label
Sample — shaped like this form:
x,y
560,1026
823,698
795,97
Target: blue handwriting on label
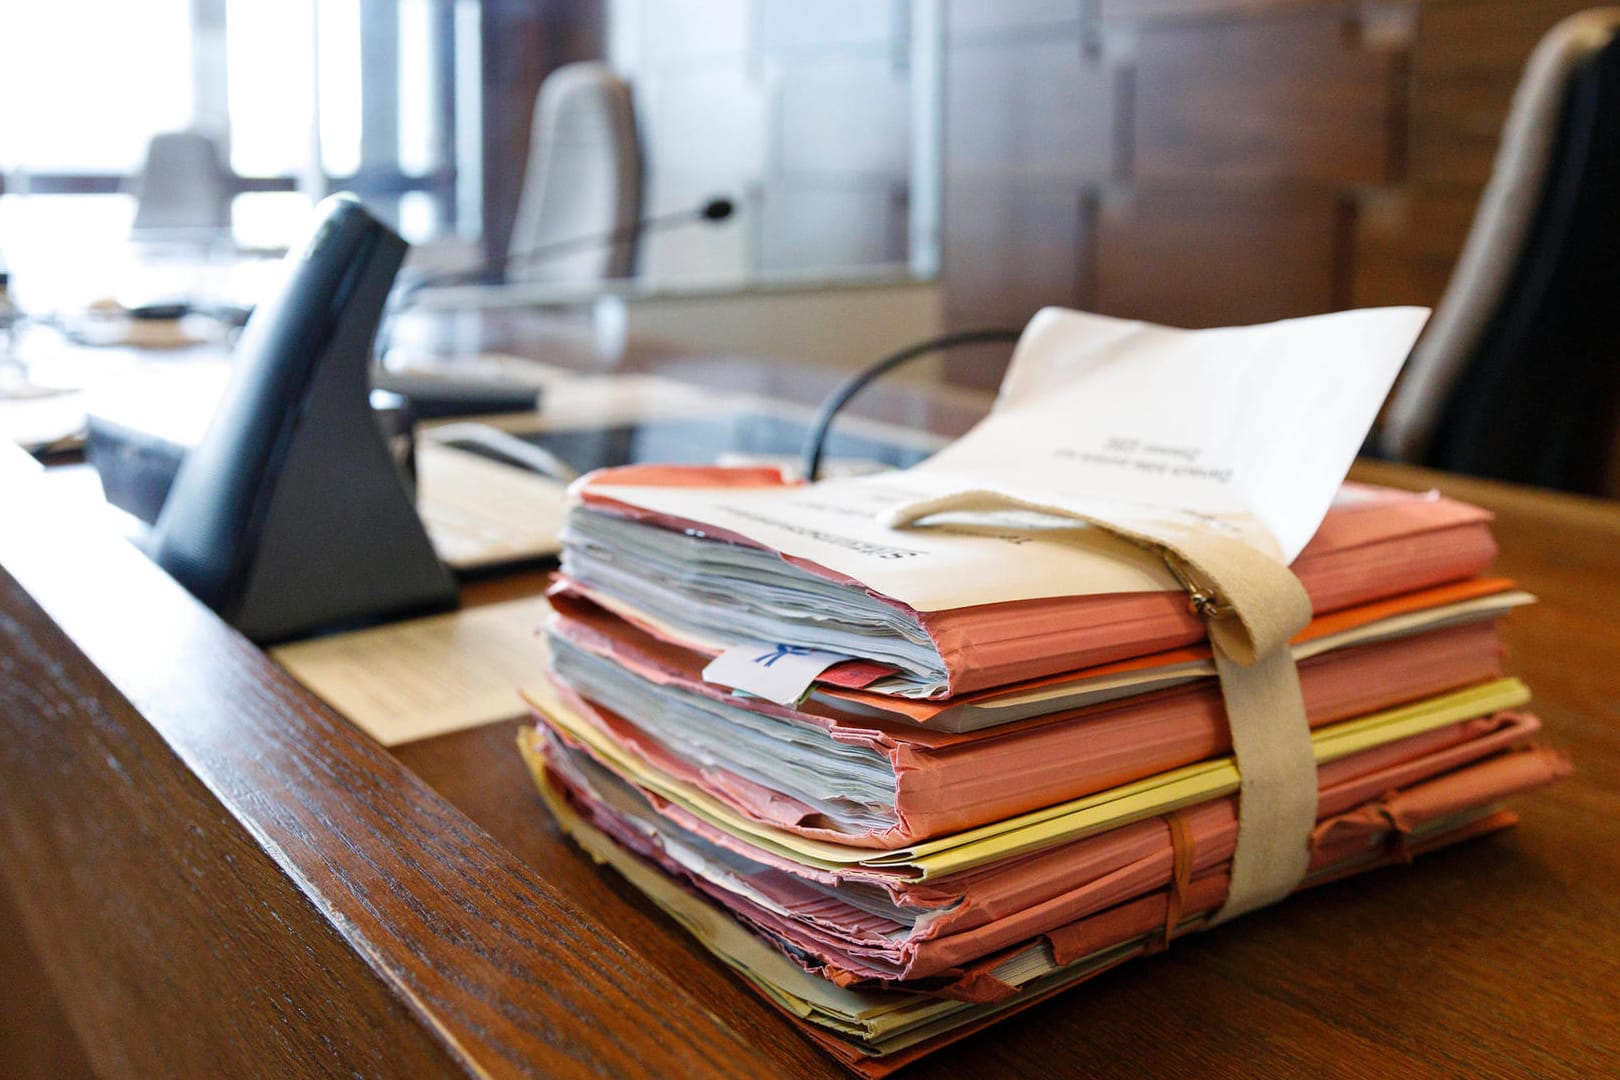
x,y
779,651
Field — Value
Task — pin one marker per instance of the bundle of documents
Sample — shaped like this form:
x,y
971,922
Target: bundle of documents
x,y
913,751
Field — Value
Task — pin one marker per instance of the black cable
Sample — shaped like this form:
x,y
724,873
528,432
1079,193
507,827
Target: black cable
x,y
857,382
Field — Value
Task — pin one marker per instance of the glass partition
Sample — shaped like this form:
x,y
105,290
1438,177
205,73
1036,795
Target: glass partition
x,y
820,120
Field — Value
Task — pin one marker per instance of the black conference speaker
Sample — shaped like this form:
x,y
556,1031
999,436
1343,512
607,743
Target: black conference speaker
x,y
290,516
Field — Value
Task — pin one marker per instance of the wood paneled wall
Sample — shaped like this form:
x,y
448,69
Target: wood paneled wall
x,y
1192,162
1207,162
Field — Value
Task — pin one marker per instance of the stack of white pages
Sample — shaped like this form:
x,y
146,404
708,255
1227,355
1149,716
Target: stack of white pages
x,y
910,752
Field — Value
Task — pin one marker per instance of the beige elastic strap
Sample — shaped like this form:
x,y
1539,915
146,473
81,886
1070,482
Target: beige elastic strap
x,y
1253,605
1277,797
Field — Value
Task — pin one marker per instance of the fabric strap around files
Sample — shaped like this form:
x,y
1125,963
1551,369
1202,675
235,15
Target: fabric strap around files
x,y
1253,605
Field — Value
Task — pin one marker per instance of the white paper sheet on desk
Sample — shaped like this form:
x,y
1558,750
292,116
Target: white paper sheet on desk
x,y
481,513
1250,427
1267,419
424,677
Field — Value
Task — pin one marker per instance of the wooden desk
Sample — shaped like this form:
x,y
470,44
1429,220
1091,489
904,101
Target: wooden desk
x,y
218,876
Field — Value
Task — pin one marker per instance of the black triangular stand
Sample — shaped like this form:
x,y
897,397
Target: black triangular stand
x,y
290,517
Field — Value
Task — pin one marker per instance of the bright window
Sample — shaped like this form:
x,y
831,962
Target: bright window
x,y
85,83
304,96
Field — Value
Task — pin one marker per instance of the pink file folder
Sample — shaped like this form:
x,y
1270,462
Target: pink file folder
x,y
947,782
1381,544
1143,884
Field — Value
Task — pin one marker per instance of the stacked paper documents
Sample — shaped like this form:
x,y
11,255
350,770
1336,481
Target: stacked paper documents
x,y
911,752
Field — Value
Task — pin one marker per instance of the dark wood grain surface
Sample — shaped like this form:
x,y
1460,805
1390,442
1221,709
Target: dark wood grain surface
x,y
1296,98
1109,128
220,877
35,1037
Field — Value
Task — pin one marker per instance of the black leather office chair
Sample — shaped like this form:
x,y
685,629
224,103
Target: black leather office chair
x,y
1518,373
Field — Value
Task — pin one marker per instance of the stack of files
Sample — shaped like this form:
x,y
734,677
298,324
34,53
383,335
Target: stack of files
x,y
913,751
711,589
895,870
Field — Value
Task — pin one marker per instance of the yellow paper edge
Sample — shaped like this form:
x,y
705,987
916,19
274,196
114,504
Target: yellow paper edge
x,y
880,1022
1151,797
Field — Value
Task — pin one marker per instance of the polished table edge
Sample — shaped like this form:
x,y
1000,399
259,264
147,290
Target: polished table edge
x,y
308,870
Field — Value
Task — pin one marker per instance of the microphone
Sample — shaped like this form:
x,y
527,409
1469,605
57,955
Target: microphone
x,y
439,396
717,209
713,211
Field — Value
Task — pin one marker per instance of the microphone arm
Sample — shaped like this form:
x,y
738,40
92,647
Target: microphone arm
x,y
448,396
714,210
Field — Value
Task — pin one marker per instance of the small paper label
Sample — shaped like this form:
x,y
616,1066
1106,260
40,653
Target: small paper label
x,y
779,673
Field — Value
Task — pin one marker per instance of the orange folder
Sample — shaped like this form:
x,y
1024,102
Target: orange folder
x,y
945,782
1380,544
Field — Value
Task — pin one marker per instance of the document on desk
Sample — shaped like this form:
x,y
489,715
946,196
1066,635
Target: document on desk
x,y
425,677
850,765
480,513
1163,430
1030,764
860,1006
1156,430
1168,435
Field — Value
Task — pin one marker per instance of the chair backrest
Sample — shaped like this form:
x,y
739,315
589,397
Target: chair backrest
x,y
583,178
183,186
1516,376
